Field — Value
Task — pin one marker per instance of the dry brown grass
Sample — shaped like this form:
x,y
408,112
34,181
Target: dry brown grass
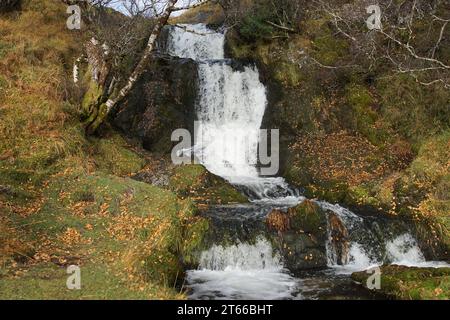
x,y
211,11
340,156
36,53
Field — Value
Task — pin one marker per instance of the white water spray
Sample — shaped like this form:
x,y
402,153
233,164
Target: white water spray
x,y
231,103
241,271
230,111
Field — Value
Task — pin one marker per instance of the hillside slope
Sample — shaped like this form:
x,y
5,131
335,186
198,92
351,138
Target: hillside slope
x,y
68,200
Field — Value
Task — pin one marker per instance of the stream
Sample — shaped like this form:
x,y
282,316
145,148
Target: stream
x,y
244,261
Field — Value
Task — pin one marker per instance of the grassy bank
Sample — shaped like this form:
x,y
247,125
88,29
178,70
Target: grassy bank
x,y
66,199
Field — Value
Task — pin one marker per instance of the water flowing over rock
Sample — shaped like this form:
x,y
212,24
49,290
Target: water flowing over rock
x,y
244,271
258,246
338,238
230,105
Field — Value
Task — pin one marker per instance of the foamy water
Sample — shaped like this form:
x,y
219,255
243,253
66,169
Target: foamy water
x,y
230,110
242,271
403,250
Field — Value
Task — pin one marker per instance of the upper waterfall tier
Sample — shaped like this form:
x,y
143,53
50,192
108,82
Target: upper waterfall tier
x,y
230,104
196,42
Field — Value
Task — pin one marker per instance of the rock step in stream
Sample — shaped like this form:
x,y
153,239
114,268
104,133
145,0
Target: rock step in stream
x,y
280,245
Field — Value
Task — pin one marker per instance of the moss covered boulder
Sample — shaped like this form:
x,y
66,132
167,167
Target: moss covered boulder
x,y
203,187
162,101
300,234
411,283
309,218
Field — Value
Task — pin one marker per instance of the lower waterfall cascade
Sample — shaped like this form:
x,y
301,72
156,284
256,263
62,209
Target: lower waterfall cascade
x,y
230,110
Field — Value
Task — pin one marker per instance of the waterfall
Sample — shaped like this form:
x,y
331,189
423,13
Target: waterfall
x,y
242,271
366,247
230,107
196,42
242,256
230,110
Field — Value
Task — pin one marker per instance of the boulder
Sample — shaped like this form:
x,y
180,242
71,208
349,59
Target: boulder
x,y
308,217
162,101
196,182
301,235
410,283
339,238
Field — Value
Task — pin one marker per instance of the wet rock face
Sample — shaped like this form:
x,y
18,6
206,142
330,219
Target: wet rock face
x,y
339,238
301,234
163,100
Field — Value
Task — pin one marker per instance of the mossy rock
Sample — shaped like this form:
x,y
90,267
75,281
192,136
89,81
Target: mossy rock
x,y
300,235
197,182
411,283
361,196
331,191
112,154
194,241
310,218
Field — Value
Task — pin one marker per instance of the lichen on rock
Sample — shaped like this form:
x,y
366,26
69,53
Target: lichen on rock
x,y
197,182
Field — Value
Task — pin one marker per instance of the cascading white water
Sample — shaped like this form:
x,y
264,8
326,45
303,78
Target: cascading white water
x,y
404,250
231,103
196,42
241,271
401,250
241,256
230,112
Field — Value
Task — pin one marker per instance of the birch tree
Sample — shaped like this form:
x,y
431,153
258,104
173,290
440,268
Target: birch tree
x,y
110,94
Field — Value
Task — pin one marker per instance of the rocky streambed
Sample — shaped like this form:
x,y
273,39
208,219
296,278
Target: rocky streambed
x,y
309,250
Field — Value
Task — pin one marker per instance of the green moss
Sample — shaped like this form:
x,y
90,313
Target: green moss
x,y
255,27
327,48
194,240
91,97
308,217
329,190
48,282
195,181
112,154
364,117
410,283
289,74
412,110
99,199
236,47
362,196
